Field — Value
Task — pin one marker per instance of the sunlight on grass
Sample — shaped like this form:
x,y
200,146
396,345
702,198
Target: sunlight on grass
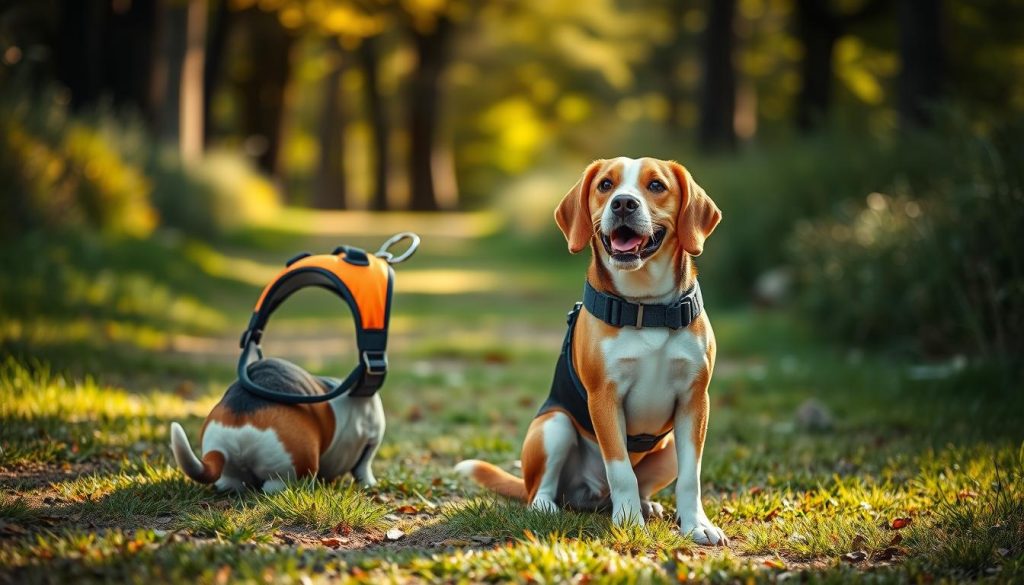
x,y
235,524
364,223
323,506
137,490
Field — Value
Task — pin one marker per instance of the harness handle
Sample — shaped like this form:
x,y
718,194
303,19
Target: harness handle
x,y
390,258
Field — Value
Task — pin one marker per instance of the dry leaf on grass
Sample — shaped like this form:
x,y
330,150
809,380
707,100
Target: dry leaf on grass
x,y
859,542
855,556
900,523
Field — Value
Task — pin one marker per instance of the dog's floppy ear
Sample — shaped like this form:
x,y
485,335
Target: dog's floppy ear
x,y
698,214
573,214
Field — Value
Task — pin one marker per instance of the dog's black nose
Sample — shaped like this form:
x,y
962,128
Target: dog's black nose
x,y
623,205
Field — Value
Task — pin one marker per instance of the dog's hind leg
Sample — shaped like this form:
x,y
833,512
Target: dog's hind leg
x,y
548,443
363,471
654,472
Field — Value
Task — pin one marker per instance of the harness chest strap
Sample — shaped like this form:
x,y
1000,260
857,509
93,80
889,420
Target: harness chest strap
x,y
567,391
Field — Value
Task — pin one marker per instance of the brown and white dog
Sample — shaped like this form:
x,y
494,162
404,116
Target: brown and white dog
x,y
248,441
644,221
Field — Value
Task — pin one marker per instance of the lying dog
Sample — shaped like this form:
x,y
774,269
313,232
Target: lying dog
x,y
629,407
248,441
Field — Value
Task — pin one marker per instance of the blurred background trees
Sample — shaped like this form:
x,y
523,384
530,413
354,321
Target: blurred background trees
x,y
204,113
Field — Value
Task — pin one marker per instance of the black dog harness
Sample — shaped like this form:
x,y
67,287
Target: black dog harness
x,y
567,391
364,281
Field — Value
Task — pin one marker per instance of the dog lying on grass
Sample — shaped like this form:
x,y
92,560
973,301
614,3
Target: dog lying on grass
x,y
250,442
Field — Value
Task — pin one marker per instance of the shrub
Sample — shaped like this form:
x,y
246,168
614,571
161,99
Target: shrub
x,y
76,179
934,264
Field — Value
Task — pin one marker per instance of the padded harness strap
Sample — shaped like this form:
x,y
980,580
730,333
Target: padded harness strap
x,y
357,278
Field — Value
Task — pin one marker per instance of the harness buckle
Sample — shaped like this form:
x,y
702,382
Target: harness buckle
x,y
250,336
571,315
639,316
376,362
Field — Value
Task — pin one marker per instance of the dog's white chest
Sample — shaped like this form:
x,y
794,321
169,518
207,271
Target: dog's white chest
x,y
653,370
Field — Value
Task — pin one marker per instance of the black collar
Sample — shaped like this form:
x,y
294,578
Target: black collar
x,y
619,312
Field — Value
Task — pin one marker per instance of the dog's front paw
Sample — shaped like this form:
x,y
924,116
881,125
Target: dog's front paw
x,y
651,509
702,531
544,505
628,514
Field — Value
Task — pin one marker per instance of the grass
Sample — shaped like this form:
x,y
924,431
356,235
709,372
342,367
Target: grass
x,y
89,491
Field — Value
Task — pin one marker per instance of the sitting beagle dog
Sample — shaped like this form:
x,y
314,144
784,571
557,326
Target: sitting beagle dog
x,y
249,441
628,409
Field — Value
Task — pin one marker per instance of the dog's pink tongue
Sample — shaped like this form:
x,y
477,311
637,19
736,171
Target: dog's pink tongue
x,y
622,244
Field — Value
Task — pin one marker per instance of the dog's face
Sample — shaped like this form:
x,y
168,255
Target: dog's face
x,y
638,212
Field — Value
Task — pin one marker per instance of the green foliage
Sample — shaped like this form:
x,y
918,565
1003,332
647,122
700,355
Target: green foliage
x,y
219,193
103,172
934,265
68,178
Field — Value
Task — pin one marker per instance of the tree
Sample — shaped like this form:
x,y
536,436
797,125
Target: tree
x,y
430,42
819,26
269,46
330,191
718,93
377,111
923,59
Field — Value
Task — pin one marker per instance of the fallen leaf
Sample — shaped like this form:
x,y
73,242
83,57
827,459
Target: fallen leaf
x,y
855,556
900,523
886,555
331,542
774,564
896,539
407,509
343,528
771,515
394,534
858,542
966,494
756,490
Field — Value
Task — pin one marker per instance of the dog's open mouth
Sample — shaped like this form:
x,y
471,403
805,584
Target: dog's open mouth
x,y
626,245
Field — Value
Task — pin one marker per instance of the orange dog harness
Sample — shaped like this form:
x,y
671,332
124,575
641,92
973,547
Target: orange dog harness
x,y
364,282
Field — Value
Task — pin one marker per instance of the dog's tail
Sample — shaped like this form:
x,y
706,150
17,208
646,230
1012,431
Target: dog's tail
x,y
493,478
206,470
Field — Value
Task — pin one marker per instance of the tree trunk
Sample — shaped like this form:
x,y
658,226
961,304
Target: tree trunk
x,y
922,58
79,49
819,27
818,31
128,50
369,61
263,90
330,180
191,119
173,34
220,29
666,59
424,111
718,94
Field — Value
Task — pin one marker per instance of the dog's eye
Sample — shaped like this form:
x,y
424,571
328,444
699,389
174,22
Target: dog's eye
x,y
604,185
656,186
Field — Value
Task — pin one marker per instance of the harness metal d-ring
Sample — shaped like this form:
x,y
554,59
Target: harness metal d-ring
x,y
391,258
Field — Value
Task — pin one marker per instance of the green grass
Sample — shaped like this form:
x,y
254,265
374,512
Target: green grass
x,y
89,491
